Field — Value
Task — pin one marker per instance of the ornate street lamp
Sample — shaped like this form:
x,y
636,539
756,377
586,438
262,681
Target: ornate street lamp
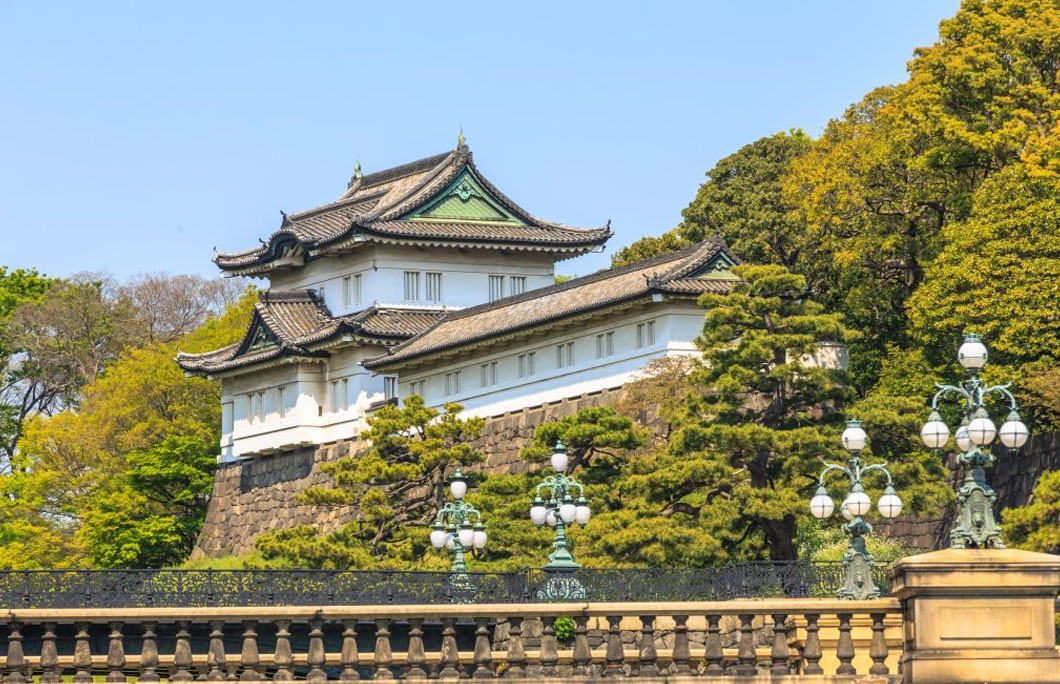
x,y
976,526
857,561
458,528
558,509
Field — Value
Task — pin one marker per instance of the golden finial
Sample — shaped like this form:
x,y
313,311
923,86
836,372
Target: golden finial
x,y
461,141
357,171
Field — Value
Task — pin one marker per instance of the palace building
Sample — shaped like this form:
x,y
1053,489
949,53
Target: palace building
x,y
426,279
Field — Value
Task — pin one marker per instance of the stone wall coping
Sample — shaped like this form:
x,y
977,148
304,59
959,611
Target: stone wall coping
x,y
791,607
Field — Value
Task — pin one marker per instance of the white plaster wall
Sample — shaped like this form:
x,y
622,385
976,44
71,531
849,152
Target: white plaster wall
x,y
677,324
465,275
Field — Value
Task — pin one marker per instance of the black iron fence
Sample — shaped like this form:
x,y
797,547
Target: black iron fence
x,y
211,588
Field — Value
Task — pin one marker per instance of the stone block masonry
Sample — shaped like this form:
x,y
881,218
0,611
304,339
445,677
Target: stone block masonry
x,y
257,495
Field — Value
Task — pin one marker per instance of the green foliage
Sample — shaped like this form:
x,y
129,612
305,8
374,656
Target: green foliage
x,y
564,628
1036,526
396,486
826,541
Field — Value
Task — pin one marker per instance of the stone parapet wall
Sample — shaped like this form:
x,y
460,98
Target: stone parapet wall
x,y
256,495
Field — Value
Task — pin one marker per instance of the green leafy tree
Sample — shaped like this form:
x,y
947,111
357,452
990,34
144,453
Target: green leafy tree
x,y
1036,526
395,487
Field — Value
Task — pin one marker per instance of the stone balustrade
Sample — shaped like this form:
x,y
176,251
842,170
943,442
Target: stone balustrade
x,y
719,640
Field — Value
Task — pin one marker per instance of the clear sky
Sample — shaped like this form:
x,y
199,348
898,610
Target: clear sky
x,y
137,136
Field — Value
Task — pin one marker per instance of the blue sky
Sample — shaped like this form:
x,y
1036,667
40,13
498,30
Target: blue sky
x,y
136,136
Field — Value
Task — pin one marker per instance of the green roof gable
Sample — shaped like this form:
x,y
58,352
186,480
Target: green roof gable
x,y
465,199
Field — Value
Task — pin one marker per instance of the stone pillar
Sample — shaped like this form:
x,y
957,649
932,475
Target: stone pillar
x,y
978,615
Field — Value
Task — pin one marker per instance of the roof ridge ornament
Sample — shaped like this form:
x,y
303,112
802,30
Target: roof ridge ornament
x,y
461,141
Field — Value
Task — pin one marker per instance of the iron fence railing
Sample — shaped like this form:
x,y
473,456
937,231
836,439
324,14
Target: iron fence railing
x,y
210,588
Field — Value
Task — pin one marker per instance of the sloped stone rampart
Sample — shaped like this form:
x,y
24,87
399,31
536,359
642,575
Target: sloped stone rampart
x,y
252,496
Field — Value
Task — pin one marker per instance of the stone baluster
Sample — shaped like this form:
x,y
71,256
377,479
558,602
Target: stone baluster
x,y
283,659
878,647
649,657
316,658
82,654
713,654
516,654
483,650
417,657
149,654
811,652
615,656
549,648
383,657
449,657
681,653
16,657
115,654
845,648
349,658
249,657
182,654
215,655
745,654
582,656
780,653
49,656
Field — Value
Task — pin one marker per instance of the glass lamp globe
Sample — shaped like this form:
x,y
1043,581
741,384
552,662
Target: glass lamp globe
x,y
935,433
1013,433
847,515
854,438
438,537
964,442
582,512
567,511
450,541
981,430
559,459
458,485
889,505
821,505
972,353
538,511
550,518
479,542
466,536
858,502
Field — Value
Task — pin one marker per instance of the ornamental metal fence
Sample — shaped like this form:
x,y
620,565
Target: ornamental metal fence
x,y
214,588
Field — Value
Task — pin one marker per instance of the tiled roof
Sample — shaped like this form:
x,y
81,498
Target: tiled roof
x,y
683,273
378,206
291,322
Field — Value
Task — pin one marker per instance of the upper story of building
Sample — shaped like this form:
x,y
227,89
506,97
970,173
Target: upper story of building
x,y
430,234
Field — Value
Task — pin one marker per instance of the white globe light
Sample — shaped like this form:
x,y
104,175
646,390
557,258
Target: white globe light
x,y
821,505
479,541
935,433
1013,433
550,518
438,538
582,514
466,536
854,438
981,430
972,354
450,541
537,514
889,505
458,489
858,503
964,443
847,515
560,460
567,511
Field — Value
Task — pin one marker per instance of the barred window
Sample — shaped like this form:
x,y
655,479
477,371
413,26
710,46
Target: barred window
x,y
412,286
645,334
518,284
564,355
452,383
488,374
605,344
434,287
390,389
347,291
496,287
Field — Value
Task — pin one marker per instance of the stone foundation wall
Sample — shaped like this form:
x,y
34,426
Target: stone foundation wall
x,y
256,495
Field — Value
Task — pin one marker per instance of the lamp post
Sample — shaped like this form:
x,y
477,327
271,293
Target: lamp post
x,y
857,561
976,526
458,528
559,509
